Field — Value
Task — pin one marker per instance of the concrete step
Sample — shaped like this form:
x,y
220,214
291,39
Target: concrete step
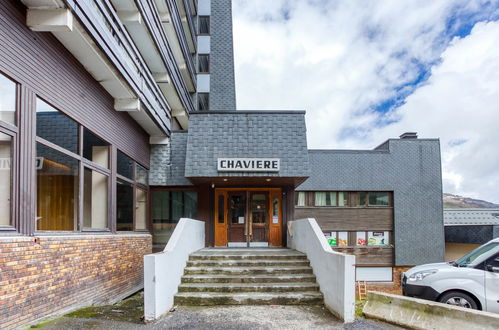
x,y
289,278
248,262
248,298
248,270
248,287
247,254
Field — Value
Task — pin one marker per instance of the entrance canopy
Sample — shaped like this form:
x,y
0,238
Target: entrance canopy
x,y
229,147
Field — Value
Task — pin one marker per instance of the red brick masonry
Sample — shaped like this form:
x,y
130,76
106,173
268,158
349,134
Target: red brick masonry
x,y
60,273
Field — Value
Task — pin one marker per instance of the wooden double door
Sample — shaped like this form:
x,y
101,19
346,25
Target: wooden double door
x,y
248,217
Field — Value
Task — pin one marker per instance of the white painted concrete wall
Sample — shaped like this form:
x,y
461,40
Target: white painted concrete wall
x,y
335,272
204,44
163,271
203,81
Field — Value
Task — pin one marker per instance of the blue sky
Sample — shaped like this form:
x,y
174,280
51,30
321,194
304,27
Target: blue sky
x,y
368,71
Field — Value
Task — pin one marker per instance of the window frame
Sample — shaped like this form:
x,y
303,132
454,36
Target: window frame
x,y
199,25
199,64
207,102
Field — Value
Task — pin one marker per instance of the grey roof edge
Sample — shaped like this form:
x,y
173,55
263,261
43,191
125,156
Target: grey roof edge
x,y
250,112
471,209
406,140
348,151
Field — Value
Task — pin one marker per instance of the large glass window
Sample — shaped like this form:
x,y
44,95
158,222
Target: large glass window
x,y
378,199
95,149
7,100
140,209
141,175
57,190
5,179
300,198
53,126
325,198
125,165
95,199
167,209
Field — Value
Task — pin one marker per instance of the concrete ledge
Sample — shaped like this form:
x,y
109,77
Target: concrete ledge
x,y
424,314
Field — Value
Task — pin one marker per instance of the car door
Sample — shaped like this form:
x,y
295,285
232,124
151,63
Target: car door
x,y
492,284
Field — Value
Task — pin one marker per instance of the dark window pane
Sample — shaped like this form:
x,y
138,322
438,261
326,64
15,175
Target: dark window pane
x,y
95,149
141,174
378,199
362,198
5,179
125,165
237,209
203,63
95,197
124,206
203,101
177,205
7,100
57,190
52,125
190,204
162,226
204,24
221,208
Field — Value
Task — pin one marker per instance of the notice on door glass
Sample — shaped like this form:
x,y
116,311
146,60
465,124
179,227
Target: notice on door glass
x,y
275,219
240,220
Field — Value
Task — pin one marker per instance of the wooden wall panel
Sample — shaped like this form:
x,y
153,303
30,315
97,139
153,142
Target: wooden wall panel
x,y
370,256
40,62
348,219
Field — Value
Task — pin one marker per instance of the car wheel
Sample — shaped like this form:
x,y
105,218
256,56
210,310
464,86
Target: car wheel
x,y
458,299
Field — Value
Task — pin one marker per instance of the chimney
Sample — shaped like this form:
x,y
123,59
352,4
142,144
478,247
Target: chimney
x,y
409,135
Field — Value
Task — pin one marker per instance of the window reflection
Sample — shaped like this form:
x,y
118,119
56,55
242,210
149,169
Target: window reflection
x,y
95,196
52,125
95,149
5,179
7,100
57,190
125,165
124,206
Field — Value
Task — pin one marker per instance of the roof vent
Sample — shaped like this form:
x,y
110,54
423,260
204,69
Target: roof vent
x,y
409,135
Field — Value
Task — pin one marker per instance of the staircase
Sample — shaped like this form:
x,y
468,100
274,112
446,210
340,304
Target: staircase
x,y
248,277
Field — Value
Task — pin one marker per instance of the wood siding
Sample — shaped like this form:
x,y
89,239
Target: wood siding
x,y
39,62
348,219
370,256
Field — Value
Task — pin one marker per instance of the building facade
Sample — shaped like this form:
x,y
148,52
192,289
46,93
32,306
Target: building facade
x,y
117,118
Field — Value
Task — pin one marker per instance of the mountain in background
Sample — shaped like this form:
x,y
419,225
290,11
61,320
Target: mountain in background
x,y
460,202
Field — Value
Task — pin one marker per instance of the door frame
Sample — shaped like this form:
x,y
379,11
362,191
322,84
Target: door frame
x,y
274,232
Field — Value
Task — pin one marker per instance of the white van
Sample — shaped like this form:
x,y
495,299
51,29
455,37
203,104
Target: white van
x,y
471,282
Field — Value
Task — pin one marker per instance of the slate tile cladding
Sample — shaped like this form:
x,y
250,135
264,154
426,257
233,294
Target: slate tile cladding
x,y
168,162
37,280
411,168
247,134
222,83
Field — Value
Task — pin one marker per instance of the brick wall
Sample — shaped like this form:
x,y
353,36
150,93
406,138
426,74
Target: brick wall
x,y
394,287
67,272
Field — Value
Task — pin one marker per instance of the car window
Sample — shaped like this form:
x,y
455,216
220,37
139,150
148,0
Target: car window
x,y
478,255
494,261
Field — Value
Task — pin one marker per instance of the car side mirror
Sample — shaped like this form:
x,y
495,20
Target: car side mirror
x,y
492,269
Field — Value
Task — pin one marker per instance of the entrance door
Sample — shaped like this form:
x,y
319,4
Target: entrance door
x,y
248,217
238,230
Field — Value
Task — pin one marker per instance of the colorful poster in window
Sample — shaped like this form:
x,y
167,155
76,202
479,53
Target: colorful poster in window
x,y
379,238
361,238
331,238
343,238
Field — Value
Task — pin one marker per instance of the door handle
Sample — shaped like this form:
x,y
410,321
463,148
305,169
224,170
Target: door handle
x,y
251,226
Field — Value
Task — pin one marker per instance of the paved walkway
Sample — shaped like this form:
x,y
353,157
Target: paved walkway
x,y
230,317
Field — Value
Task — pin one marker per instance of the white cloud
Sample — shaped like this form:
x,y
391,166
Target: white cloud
x,y
338,60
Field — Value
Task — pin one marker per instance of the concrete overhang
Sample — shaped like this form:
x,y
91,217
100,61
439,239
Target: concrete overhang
x,y
52,16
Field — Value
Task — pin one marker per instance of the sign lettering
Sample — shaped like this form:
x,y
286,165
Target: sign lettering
x,y
248,164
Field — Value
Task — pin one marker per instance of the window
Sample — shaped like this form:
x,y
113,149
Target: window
x,y
204,24
7,100
131,189
378,238
57,179
300,198
378,199
95,199
353,239
203,101
167,209
325,198
203,63
5,179
53,126
95,149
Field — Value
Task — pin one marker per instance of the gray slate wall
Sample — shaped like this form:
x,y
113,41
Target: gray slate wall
x,y
222,84
411,168
168,162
